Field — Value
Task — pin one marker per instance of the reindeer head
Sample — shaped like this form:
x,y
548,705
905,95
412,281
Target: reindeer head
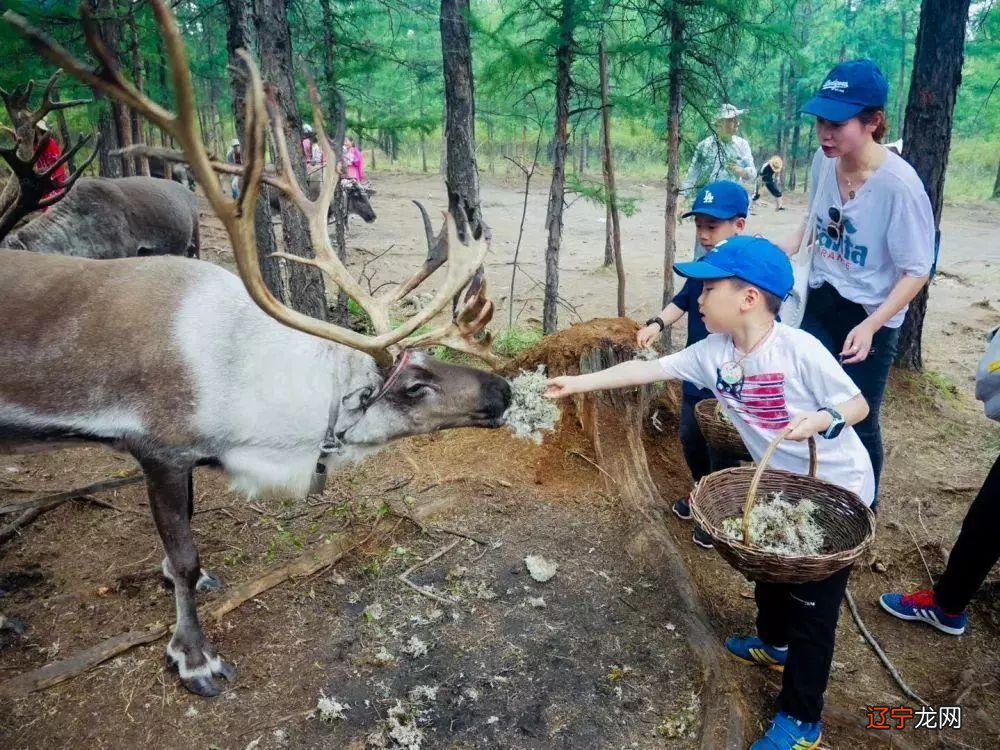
x,y
416,395
357,200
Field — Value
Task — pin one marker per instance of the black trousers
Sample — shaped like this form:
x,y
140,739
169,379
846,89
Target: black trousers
x,y
977,549
771,186
802,616
829,317
701,459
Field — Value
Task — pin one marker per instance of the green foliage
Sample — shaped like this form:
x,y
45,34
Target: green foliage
x,y
764,55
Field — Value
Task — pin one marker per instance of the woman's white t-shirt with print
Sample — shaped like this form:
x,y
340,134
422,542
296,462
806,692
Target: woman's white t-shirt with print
x,y
789,373
887,232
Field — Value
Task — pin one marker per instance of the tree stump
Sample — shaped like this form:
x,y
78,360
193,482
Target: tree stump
x,y
613,421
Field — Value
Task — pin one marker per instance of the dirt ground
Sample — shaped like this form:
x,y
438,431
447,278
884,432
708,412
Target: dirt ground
x,y
591,658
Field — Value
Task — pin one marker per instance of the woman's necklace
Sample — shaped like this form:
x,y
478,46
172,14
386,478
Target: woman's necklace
x,y
730,377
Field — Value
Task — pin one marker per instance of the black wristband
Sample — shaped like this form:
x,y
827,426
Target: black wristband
x,y
659,321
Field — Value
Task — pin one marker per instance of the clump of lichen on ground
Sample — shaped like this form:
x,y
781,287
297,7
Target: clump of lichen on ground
x,y
781,527
531,414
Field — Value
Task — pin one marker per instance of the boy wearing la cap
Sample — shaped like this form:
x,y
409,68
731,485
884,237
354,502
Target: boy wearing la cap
x,y
769,377
720,212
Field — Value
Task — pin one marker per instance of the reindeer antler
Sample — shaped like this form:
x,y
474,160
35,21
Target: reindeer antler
x,y
35,186
237,216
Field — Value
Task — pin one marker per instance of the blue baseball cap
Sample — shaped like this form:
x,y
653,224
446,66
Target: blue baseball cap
x,y
751,259
722,199
847,89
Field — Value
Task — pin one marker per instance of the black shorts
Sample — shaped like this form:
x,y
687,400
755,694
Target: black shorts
x,y
772,187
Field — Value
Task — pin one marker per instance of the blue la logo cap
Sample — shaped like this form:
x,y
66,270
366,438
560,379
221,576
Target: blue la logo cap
x,y
847,89
754,260
722,199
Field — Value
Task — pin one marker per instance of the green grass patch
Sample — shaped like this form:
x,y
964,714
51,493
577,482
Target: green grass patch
x,y
942,385
512,342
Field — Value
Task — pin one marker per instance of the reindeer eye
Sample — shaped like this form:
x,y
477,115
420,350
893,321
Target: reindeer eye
x,y
417,389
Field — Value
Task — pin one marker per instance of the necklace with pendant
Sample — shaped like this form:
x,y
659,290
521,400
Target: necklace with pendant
x,y
730,377
850,187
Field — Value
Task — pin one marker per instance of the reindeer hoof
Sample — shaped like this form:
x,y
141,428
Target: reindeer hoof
x,y
203,686
202,680
12,625
208,582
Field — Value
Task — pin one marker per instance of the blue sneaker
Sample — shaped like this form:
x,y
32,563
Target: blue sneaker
x,y
920,606
787,733
750,649
682,510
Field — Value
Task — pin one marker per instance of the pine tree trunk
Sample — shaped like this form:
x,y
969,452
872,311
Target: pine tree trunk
x,y
340,313
937,74
674,97
239,36
780,131
109,124
901,88
306,290
614,237
554,216
462,173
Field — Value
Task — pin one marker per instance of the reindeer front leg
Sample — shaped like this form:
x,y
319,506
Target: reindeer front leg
x,y
206,580
188,652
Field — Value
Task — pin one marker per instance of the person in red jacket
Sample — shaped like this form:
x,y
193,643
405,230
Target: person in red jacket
x,y
50,155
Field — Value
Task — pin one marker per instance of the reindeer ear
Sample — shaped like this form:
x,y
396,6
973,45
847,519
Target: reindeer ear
x,y
357,399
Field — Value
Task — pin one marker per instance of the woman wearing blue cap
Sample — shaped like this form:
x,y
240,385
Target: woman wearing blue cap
x,y
874,235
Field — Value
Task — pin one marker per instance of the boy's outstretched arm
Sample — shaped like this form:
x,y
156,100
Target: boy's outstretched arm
x,y
809,423
636,372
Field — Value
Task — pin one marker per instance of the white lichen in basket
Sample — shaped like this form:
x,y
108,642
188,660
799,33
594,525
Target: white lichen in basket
x,y
781,527
531,414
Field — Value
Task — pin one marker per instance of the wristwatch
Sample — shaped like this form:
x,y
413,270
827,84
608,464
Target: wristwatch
x,y
836,426
658,320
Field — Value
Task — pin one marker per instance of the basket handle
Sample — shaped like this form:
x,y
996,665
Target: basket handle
x,y
752,492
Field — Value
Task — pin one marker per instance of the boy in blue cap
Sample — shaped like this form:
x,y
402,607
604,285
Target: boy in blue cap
x,y
769,378
720,212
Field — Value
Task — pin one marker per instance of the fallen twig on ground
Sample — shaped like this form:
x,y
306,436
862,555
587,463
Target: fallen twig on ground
x,y
53,499
435,529
32,509
463,478
930,578
878,650
591,462
306,564
60,671
419,589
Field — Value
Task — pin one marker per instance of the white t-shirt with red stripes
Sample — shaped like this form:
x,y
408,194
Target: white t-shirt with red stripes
x,y
789,373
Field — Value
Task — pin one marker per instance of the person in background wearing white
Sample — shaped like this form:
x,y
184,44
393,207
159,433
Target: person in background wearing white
x,y
721,156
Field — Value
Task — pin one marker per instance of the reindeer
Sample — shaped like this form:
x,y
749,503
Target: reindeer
x,y
241,382
115,217
177,172
120,217
99,218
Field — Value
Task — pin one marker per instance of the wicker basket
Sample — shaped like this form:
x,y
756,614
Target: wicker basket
x,y
848,524
720,434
